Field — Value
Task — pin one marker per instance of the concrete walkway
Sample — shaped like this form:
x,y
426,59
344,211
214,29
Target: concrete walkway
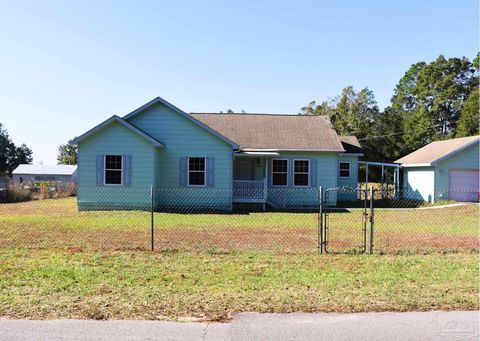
x,y
253,326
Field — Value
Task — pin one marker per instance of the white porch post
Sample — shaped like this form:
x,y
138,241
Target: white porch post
x,y
265,184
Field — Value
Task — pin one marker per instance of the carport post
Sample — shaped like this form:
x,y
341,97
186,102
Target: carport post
x,y
152,241
320,220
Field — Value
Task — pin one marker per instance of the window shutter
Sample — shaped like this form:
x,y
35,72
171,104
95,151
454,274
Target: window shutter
x,y
100,169
127,170
313,173
210,171
183,171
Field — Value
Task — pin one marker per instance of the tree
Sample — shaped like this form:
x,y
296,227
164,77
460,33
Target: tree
x,y
324,108
229,111
67,154
357,113
430,98
10,155
468,124
23,155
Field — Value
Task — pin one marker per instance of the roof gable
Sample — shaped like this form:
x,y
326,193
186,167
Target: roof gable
x,y
437,151
275,132
115,118
182,113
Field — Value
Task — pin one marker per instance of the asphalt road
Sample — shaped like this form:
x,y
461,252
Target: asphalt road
x,y
252,326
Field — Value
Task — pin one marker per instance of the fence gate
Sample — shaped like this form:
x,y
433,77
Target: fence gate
x,y
345,221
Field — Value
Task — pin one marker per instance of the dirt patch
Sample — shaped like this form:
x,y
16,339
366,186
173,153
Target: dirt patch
x,y
390,241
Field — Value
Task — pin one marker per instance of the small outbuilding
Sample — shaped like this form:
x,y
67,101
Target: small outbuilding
x,y
443,170
57,173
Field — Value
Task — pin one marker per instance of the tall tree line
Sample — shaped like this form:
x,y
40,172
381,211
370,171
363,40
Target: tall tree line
x,y
432,101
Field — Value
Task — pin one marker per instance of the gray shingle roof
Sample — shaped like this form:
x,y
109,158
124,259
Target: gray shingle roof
x,y
351,144
437,150
275,132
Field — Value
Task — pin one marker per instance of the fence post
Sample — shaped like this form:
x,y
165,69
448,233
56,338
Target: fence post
x,y
372,221
320,220
152,240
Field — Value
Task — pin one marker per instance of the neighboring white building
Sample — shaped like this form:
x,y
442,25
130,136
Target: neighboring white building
x,y
29,173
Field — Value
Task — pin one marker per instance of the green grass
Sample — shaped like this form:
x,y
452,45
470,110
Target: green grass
x,y
174,285
56,262
56,223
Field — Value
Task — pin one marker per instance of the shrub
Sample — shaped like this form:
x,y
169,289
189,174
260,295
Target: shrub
x,y
38,190
18,193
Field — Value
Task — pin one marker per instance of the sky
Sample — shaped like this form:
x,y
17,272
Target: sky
x,y
66,66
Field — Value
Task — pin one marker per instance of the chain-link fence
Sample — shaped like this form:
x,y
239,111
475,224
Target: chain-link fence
x,y
208,219
399,221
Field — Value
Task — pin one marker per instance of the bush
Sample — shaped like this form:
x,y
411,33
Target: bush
x,y
38,190
18,193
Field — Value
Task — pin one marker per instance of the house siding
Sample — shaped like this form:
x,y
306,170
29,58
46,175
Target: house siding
x,y
26,178
291,196
465,159
115,139
350,184
184,138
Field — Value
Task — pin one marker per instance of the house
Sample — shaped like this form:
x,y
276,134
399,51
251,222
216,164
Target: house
x,y
211,160
58,173
443,170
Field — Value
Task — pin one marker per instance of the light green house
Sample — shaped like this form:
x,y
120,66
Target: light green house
x,y
443,170
207,160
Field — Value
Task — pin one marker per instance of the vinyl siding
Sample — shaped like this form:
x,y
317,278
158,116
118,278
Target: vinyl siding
x,y
350,184
184,138
299,197
35,177
466,159
115,139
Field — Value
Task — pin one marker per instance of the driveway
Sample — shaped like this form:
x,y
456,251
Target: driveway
x,y
254,326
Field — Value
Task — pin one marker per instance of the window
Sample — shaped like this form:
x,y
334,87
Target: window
x,y
279,172
196,171
301,169
344,169
113,169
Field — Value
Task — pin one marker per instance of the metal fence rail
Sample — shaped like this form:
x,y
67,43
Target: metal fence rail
x,y
333,220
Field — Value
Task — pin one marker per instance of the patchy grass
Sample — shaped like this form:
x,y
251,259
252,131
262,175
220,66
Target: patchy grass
x,y
56,223
40,284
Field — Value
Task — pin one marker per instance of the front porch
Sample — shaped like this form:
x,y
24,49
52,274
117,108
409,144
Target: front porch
x,y
250,173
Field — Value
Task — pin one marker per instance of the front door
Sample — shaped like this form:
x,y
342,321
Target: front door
x,y
244,169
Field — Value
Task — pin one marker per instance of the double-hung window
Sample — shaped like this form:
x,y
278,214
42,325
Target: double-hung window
x,y
196,171
113,169
279,172
344,169
301,172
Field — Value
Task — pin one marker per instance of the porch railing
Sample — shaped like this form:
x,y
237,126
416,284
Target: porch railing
x,y
255,190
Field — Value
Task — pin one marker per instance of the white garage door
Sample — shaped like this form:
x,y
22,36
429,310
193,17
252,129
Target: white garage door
x,y
463,185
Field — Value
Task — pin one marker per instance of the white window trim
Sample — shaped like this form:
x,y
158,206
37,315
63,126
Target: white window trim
x,y
105,170
308,173
204,171
349,170
279,173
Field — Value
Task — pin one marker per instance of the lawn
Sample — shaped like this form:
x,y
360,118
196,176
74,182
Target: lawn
x,y
39,284
56,224
56,262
